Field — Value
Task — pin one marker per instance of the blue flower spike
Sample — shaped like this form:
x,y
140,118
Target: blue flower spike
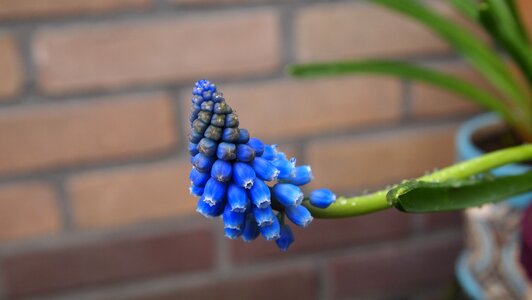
x,y
230,171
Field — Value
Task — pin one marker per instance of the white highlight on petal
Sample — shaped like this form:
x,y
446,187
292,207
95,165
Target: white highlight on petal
x,y
209,201
307,222
299,199
248,184
203,213
265,222
276,174
263,203
238,209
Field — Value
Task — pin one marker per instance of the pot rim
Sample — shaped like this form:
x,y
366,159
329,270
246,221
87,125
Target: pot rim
x,y
467,149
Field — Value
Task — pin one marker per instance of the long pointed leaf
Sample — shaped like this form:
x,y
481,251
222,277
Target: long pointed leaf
x,y
472,48
518,21
408,71
422,197
466,7
497,18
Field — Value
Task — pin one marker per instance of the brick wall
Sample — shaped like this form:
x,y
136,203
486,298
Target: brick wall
x,y
94,199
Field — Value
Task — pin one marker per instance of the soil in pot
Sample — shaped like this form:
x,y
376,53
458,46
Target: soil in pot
x,y
496,137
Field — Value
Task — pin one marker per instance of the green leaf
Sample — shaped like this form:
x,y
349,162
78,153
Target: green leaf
x,y
465,42
519,22
497,18
422,196
444,81
466,7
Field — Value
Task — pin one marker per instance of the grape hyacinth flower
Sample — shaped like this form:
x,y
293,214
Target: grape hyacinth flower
x,y
253,186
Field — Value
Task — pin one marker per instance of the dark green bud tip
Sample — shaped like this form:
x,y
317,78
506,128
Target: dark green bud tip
x,y
199,126
230,135
231,120
214,133
222,108
205,116
207,106
218,120
207,147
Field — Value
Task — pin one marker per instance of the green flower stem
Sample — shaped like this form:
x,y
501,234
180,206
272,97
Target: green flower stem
x,y
360,205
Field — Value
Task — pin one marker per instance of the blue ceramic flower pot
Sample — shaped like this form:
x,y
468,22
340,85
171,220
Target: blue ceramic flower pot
x,y
485,254
465,149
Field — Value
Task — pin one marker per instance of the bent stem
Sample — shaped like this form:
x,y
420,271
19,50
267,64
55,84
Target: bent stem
x,y
360,205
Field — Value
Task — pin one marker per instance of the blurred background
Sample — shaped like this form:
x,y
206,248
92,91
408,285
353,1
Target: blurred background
x,y
94,98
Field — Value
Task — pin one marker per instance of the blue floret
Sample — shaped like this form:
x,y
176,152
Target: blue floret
x,y
251,184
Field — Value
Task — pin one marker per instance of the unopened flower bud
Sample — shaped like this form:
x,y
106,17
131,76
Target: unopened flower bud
x,y
214,133
207,147
203,163
230,135
218,120
256,144
322,198
243,136
226,151
231,120
245,153
197,178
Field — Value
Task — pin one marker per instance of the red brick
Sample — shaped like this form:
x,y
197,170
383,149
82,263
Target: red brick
x,y
45,271
324,235
11,66
408,266
429,102
279,109
55,135
444,220
111,55
351,163
282,283
117,197
525,8
28,210
10,9
222,2
354,30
